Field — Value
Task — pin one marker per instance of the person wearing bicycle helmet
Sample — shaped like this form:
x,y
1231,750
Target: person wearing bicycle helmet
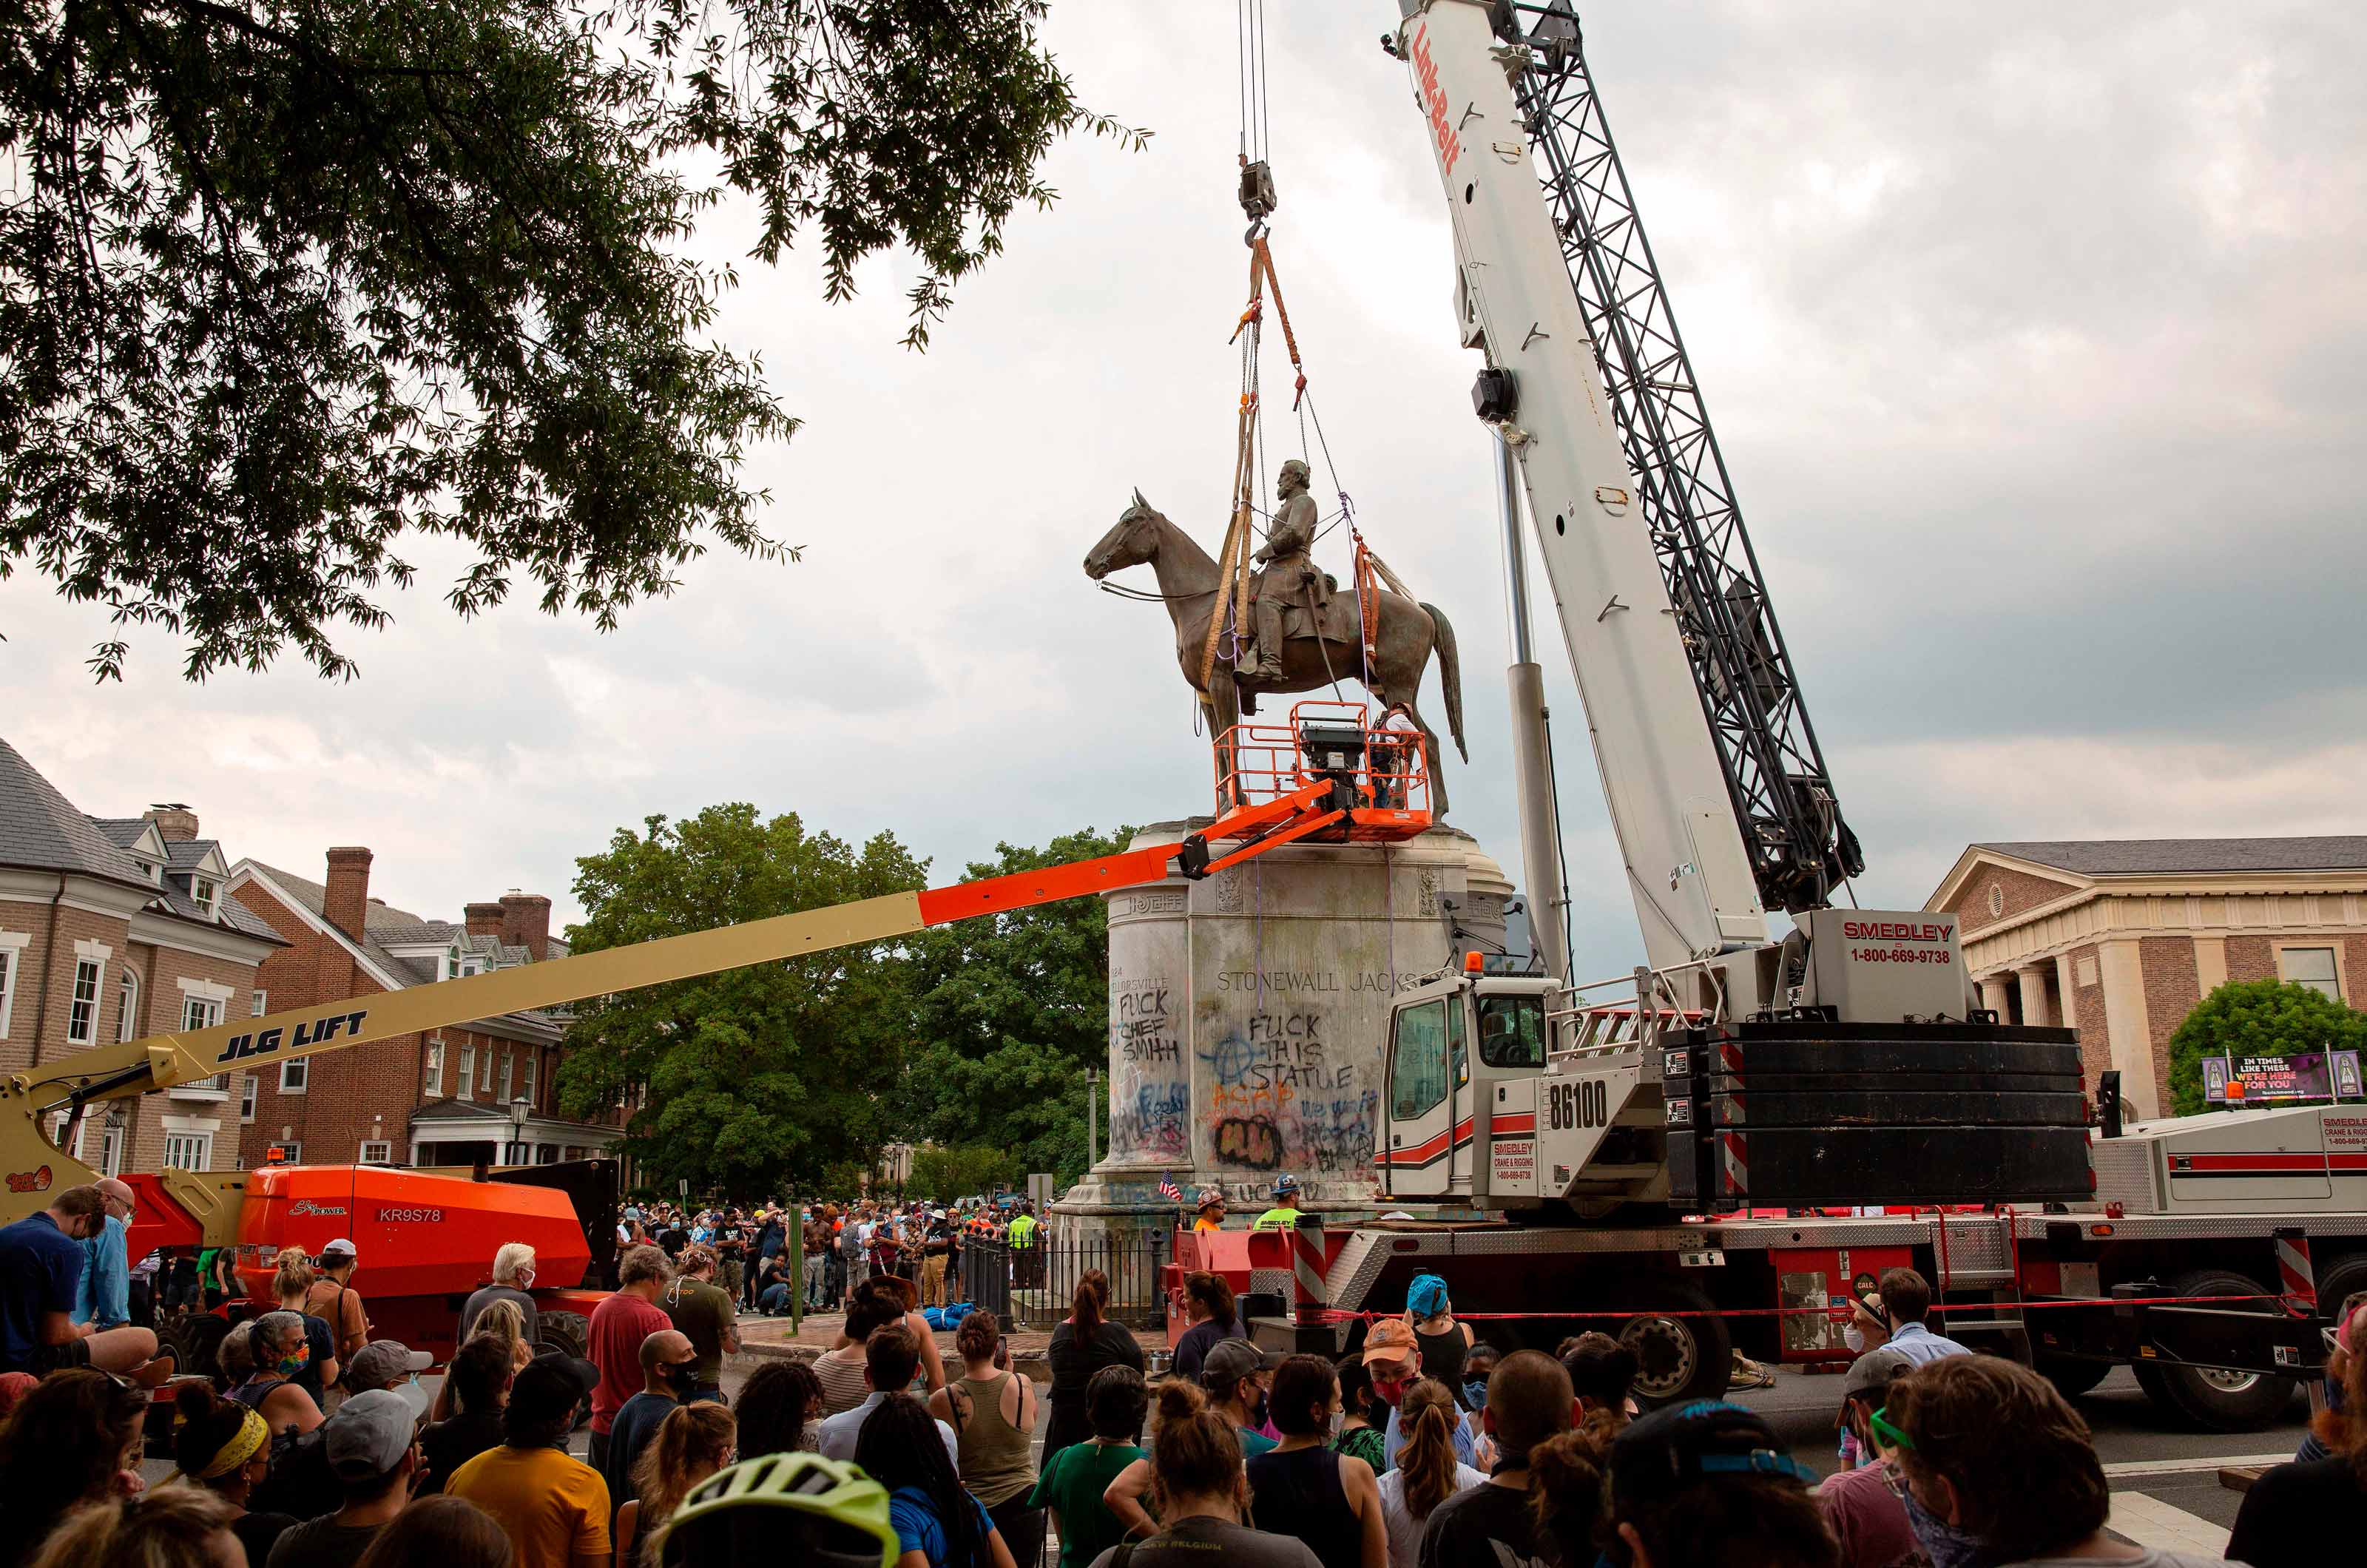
x,y
1284,1215
775,1508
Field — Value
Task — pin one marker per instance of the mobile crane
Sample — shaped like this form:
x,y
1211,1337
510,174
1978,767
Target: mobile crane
x,y
1706,1129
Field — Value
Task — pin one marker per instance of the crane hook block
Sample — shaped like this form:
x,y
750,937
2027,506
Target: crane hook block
x,y
1495,395
1258,200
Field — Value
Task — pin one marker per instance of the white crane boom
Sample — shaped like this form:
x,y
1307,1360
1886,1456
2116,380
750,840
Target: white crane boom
x,y
1688,870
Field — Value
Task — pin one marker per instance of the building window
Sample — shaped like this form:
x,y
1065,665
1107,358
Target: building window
x,y
7,987
201,891
485,1082
259,1004
247,1085
188,1151
82,1017
127,1005
509,1077
376,1151
531,1058
434,1067
2311,966
472,966
292,1076
468,1069
203,1012
110,1150
289,1152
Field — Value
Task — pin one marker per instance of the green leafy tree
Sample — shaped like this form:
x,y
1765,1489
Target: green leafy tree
x,y
944,1174
755,1077
1009,1016
281,280
2256,1018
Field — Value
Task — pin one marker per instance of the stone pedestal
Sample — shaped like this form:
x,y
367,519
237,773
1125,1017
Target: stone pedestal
x,y
1249,1014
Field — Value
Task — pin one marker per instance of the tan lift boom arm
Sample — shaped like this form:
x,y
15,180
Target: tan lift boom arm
x,y
161,1061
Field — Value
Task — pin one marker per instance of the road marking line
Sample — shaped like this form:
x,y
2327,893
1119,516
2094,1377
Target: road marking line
x,y
2175,1466
2149,1521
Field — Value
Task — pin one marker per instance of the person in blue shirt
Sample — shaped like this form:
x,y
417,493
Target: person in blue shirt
x,y
41,1264
104,1298
1906,1298
939,1524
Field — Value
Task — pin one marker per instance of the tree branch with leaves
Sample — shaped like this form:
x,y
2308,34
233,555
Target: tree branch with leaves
x,y
283,281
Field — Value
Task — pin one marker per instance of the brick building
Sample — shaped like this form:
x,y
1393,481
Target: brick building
x,y
446,1097
2121,938
112,928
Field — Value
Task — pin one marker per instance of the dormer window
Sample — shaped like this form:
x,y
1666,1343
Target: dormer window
x,y
201,890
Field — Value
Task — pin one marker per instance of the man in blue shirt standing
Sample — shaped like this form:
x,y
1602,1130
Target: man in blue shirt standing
x,y
41,1265
104,1298
1906,1298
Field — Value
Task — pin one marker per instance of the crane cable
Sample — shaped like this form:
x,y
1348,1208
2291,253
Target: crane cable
x,y
1228,621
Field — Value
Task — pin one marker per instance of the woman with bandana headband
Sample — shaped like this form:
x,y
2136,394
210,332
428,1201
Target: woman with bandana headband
x,y
225,1447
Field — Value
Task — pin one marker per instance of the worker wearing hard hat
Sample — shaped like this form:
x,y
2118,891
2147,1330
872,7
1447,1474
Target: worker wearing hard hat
x,y
1284,1215
1211,1215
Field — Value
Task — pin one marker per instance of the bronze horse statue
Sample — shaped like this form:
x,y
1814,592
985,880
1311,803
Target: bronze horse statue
x,y
1188,584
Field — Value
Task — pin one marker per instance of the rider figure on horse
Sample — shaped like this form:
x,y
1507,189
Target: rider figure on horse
x,y
1289,576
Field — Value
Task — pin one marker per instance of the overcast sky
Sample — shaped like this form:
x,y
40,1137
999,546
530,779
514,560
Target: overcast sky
x,y
2032,335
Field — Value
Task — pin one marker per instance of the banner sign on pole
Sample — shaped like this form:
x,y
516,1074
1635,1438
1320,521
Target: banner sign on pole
x,y
2308,1075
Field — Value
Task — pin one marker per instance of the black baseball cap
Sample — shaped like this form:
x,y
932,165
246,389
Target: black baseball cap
x,y
1686,1444
552,1386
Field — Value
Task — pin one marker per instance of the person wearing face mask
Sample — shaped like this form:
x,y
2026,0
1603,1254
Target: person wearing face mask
x,y
42,1264
1865,1507
669,1379
1234,1373
2000,1471
280,1352
1393,1360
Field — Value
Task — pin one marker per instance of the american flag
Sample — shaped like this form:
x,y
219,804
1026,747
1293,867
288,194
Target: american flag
x,y
1167,1188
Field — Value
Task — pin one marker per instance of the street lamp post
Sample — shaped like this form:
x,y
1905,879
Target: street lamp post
x,y
520,1109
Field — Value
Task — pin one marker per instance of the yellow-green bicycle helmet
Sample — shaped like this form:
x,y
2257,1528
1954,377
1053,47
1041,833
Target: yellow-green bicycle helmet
x,y
833,1516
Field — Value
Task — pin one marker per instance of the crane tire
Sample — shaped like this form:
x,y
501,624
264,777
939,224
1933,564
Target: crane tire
x,y
1677,1358
2216,1400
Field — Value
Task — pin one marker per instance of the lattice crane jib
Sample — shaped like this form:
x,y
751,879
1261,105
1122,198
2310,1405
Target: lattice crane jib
x,y
1775,775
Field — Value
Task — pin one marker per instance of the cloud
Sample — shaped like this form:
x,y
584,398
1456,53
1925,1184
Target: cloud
x,y
2033,337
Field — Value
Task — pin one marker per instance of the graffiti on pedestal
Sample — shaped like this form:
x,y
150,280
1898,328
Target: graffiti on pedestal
x,y
1151,1098
1283,1096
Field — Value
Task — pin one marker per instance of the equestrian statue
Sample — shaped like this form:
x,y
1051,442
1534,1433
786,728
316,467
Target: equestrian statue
x,y
1306,632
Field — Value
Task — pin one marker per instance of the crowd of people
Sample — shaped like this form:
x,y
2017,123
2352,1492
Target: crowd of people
x,y
313,1442
839,1246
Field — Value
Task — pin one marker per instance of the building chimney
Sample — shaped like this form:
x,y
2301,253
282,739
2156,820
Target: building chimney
x,y
176,823
347,903
526,922
484,919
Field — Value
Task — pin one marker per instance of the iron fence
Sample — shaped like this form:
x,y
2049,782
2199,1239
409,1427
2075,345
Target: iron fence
x,y
1031,1287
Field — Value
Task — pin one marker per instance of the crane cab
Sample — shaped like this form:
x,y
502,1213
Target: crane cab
x,y
1497,1095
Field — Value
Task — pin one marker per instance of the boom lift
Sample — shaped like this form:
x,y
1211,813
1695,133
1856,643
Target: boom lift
x,y
1870,1073
1325,776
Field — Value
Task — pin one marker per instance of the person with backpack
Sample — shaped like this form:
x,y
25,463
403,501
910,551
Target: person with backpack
x,y
331,1298
372,1457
